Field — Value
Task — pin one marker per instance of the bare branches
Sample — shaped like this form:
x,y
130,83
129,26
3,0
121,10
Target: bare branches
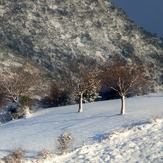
x,y
123,78
82,79
19,81
85,80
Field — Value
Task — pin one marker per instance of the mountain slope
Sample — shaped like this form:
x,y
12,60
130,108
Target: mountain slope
x,y
54,33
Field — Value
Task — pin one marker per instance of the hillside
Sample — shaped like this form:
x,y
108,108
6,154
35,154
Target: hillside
x,y
98,121
54,33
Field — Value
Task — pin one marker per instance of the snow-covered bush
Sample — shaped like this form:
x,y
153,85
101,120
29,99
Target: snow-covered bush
x,y
88,97
16,156
65,141
154,120
26,101
43,155
15,110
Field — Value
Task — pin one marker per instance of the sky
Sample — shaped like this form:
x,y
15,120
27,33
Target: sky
x,y
146,13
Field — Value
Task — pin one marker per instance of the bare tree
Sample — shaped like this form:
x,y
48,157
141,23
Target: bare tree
x,y
83,79
20,81
86,82
125,78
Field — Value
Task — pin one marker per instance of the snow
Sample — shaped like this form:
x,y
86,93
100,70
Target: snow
x,y
130,137
140,144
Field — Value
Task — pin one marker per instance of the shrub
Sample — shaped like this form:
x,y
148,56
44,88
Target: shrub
x,y
15,110
43,155
26,101
57,96
2,99
154,120
65,141
16,156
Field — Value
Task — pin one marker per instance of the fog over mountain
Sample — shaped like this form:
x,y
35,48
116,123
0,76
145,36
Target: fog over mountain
x,y
146,13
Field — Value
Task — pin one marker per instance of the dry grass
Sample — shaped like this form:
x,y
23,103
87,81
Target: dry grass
x,y
16,156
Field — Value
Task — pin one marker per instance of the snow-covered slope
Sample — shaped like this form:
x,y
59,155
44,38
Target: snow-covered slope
x,y
140,144
98,120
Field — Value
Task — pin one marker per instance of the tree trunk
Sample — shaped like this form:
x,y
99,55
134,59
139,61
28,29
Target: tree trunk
x,y
27,113
122,105
15,99
81,103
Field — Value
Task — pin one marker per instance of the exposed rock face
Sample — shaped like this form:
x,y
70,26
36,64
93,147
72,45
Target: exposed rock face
x,y
54,32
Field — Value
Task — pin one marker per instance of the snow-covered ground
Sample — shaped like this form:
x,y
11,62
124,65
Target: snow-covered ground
x,y
142,143
138,142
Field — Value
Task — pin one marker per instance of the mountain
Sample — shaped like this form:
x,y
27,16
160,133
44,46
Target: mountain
x,y
54,33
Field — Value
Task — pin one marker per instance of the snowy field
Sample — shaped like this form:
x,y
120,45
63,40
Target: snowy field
x,y
136,140
141,144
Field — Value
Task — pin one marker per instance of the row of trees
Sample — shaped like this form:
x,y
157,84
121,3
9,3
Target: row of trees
x,y
86,79
83,81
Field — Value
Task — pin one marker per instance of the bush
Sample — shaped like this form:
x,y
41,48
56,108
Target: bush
x,y
154,120
15,110
65,141
26,101
2,100
16,156
56,97
43,155
88,97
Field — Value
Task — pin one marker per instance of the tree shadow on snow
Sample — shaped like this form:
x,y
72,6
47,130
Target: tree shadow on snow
x,y
93,117
130,126
99,137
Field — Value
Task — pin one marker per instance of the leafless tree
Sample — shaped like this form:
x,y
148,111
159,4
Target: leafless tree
x,y
83,79
125,78
18,81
